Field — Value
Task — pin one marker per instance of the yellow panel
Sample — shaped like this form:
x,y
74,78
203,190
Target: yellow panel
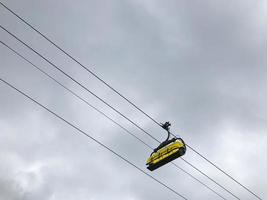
x,y
164,152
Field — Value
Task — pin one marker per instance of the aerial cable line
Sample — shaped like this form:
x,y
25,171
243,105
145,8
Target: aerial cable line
x,y
72,92
204,174
79,63
81,85
102,113
52,64
221,170
116,91
92,138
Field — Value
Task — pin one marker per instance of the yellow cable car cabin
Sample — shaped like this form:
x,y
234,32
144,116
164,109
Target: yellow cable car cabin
x,y
163,155
167,151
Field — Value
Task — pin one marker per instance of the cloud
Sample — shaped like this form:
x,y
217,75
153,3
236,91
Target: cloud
x,y
199,65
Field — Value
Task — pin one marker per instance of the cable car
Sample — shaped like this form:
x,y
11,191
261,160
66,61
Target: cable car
x,y
167,151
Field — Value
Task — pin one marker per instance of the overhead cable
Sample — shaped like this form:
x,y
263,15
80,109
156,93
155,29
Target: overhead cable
x,y
114,109
106,116
116,91
92,138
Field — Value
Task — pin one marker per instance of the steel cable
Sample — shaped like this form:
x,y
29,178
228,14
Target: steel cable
x,y
92,138
116,91
56,67
106,116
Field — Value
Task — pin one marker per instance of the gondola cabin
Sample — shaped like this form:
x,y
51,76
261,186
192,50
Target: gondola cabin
x,y
166,153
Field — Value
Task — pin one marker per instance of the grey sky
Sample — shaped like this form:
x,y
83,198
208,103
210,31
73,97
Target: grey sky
x,y
200,65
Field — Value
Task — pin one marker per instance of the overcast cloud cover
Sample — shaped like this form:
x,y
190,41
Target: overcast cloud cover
x,y
199,64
